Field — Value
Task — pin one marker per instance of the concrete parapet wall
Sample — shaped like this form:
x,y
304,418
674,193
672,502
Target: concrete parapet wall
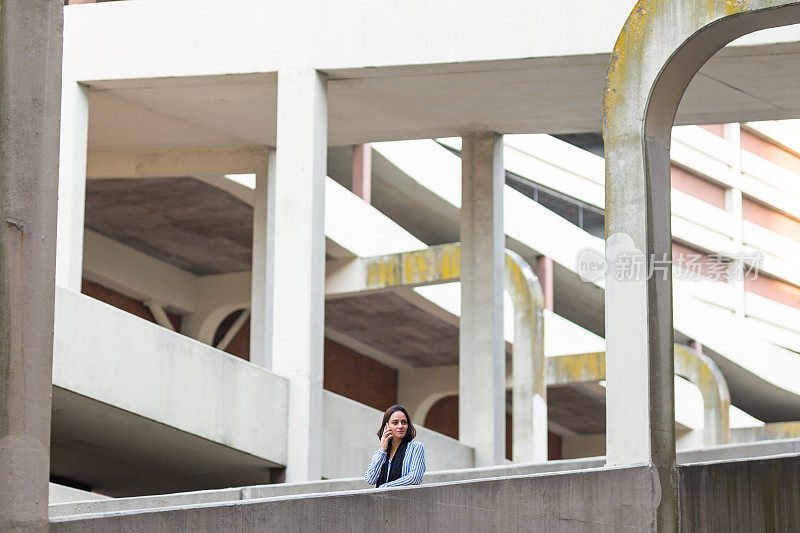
x,y
607,499
743,495
728,451
113,357
350,438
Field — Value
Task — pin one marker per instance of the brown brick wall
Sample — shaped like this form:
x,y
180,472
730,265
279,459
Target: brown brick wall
x,y
359,377
126,303
696,186
443,418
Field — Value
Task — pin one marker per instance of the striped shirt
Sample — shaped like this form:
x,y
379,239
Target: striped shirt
x,y
413,466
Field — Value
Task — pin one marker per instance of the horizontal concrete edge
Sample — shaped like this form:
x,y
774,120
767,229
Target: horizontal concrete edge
x,y
613,498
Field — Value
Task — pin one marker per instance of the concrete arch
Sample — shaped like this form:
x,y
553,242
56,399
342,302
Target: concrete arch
x,y
441,264
203,326
424,407
660,49
696,367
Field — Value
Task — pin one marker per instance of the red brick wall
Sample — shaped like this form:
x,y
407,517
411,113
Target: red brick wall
x,y
716,129
774,289
126,303
443,418
359,377
682,255
694,185
769,151
770,219
240,344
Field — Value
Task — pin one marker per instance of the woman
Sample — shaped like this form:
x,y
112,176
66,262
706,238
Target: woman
x,y
399,460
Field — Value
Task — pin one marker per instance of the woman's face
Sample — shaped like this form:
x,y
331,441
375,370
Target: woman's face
x,y
398,423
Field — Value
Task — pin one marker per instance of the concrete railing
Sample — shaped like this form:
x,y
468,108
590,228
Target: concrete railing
x,y
741,495
711,453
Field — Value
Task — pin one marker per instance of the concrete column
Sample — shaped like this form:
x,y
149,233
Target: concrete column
x,y
544,271
482,347
362,172
299,295
262,283
72,184
30,95
733,205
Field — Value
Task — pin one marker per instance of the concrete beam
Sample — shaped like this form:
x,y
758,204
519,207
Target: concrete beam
x,y
481,360
173,163
30,98
299,262
659,51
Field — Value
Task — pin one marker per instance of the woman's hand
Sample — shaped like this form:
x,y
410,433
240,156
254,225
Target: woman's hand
x,y
386,439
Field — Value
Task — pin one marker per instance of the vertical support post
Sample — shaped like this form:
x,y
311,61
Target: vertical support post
x,y
544,271
262,284
299,294
30,96
733,205
482,347
72,184
362,172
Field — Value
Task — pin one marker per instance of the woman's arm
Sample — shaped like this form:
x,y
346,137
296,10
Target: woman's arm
x,y
417,468
374,468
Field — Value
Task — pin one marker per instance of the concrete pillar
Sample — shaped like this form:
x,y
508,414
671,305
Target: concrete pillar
x,y
262,282
544,271
481,344
733,205
72,184
299,295
30,95
362,172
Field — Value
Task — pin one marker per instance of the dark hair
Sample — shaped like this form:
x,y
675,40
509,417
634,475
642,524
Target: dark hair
x,y
411,432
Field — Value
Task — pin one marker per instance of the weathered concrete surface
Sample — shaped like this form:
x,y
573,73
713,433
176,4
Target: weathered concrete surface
x,y
30,92
660,49
481,351
747,495
711,453
607,499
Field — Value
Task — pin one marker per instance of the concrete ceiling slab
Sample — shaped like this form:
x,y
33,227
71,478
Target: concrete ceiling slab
x,y
387,322
183,221
118,453
533,95
580,408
